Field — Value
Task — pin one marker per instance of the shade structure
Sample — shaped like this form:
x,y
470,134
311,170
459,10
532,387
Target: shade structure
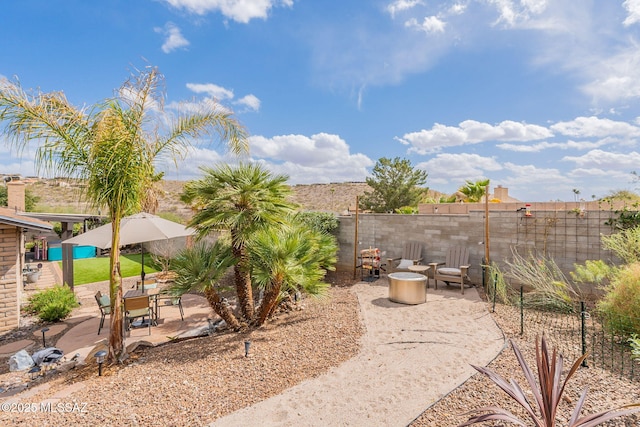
x,y
138,228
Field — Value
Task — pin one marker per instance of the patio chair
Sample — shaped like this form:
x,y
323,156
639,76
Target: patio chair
x,y
148,284
170,300
135,307
105,307
411,255
454,269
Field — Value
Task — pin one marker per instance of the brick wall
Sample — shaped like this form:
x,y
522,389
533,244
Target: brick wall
x,y
562,234
9,287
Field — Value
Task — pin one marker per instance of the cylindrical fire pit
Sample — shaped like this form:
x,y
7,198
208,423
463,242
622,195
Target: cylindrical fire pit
x,y
408,288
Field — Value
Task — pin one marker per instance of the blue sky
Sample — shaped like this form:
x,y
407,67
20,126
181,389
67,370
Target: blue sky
x,y
540,96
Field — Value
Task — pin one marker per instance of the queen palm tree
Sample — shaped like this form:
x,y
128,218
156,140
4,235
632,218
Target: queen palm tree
x,y
242,200
113,146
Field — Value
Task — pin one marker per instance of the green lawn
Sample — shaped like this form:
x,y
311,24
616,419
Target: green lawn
x,y
91,270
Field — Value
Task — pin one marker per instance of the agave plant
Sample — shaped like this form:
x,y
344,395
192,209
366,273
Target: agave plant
x,y
547,396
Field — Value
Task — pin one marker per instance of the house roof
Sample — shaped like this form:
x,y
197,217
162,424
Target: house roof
x,y
70,218
10,217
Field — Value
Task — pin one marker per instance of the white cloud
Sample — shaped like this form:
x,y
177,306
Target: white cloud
x,y
196,107
173,38
9,164
132,96
454,169
633,12
251,102
514,13
587,127
539,184
457,9
320,158
213,90
430,24
322,149
471,132
615,77
401,6
606,160
238,10
541,146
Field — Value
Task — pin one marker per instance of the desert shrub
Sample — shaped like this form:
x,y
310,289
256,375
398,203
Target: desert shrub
x,y
620,305
497,285
407,210
595,272
549,288
627,218
52,304
634,341
625,244
320,221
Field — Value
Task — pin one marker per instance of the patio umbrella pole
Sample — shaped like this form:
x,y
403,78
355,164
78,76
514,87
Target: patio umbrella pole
x,y
142,273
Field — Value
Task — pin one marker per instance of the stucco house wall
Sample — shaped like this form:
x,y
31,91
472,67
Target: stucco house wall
x,y
10,282
13,228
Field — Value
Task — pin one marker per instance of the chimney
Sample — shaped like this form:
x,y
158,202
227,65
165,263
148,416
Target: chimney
x,y
15,195
501,193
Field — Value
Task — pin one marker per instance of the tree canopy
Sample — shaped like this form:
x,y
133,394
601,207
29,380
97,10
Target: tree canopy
x,y
395,184
473,191
113,146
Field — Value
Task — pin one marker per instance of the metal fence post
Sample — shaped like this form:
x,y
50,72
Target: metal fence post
x,y
583,330
495,289
521,310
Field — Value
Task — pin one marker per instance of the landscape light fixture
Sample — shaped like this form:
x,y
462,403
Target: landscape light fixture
x,y
247,345
100,359
44,330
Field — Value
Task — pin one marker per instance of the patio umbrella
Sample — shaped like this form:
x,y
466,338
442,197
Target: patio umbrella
x,y
138,228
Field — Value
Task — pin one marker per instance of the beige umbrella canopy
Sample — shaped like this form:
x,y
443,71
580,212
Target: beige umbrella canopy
x,y
138,228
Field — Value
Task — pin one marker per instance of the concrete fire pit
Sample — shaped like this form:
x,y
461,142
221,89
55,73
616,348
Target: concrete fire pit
x,y
408,288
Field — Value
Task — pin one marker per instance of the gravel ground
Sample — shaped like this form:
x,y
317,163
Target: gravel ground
x,y
196,381
606,390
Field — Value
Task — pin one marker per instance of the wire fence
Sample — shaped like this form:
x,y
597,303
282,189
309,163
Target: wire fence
x,y
582,330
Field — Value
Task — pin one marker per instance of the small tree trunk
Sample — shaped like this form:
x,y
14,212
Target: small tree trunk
x,y
221,309
116,335
268,303
243,281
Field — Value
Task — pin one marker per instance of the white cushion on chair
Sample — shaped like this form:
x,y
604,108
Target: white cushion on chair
x,y
405,263
450,271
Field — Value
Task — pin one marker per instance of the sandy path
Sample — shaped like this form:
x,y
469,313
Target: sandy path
x,y
411,356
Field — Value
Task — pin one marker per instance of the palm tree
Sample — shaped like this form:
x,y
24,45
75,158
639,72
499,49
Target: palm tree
x,y
241,199
200,268
473,191
287,259
114,147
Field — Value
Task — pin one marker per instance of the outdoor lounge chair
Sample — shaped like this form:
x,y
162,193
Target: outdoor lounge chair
x,y
105,307
135,307
454,269
411,255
